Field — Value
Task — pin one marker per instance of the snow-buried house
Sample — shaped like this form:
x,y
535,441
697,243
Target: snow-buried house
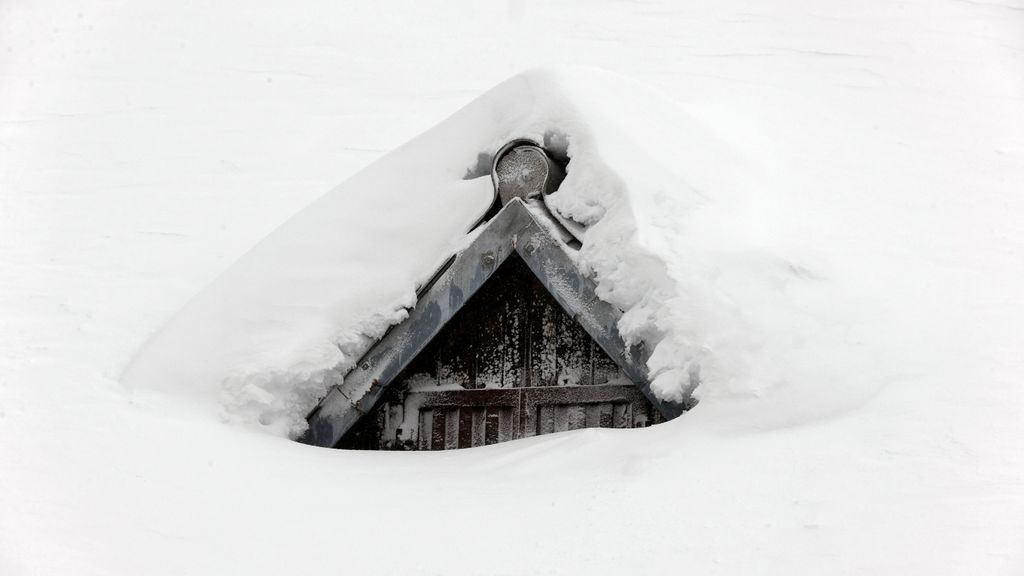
x,y
507,340
639,245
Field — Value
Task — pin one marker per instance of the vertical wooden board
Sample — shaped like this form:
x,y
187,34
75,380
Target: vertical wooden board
x,y
543,334
465,427
426,430
528,417
561,418
641,415
490,333
479,426
514,335
457,350
622,415
577,416
572,359
437,435
493,423
606,415
505,425
451,429
489,355
545,419
455,362
395,411
425,364
605,369
593,415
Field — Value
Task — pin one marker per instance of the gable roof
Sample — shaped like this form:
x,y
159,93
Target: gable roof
x,y
515,229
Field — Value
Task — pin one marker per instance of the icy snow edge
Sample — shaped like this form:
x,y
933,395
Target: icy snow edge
x,y
660,199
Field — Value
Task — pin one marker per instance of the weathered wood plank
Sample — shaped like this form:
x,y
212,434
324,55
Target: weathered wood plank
x,y
582,395
493,423
426,429
561,418
605,369
437,434
393,423
622,415
528,416
457,357
451,429
543,344
506,419
490,327
573,362
514,334
641,416
474,398
577,417
465,427
479,426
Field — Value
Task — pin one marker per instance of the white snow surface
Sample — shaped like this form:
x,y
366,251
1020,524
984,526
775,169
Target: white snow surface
x,y
817,203
667,238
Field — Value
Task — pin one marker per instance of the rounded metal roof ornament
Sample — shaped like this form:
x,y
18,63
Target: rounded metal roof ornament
x,y
522,169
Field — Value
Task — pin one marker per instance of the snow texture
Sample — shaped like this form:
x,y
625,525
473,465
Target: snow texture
x,y
816,203
311,296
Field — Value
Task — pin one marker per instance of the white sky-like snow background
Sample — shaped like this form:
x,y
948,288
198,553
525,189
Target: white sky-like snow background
x,y
146,146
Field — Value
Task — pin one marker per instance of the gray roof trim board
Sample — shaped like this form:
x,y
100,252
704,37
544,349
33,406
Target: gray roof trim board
x,y
515,229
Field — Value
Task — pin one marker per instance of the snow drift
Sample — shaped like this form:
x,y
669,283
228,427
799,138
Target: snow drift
x,y
674,236
853,272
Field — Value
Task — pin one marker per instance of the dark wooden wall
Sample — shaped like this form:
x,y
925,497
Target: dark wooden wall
x,y
512,333
473,385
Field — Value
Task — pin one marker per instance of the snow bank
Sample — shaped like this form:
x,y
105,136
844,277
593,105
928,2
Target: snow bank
x,y
671,234
145,145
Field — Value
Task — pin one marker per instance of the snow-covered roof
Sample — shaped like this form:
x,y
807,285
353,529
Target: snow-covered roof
x,y
267,339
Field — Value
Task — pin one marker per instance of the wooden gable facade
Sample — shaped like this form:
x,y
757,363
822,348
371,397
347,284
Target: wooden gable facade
x,y
508,341
510,364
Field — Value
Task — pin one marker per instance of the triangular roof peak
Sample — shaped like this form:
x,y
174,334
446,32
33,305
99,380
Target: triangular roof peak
x,y
517,229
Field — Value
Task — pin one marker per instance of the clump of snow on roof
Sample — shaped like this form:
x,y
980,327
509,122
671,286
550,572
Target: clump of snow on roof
x,y
674,232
